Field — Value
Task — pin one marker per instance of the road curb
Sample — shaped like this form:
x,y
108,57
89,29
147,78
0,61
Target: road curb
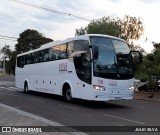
x,y
38,118
145,99
148,96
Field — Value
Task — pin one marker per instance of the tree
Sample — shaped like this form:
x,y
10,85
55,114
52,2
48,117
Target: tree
x,y
156,45
105,25
6,58
6,51
30,39
149,70
10,67
129,28
81,31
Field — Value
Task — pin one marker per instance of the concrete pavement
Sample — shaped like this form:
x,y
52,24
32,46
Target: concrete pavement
x,y
10,117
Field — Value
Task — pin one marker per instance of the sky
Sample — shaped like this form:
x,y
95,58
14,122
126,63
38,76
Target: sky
x,y
16,18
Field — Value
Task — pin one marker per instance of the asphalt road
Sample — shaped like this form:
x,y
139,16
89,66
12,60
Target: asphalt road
x,y
83,113
10,78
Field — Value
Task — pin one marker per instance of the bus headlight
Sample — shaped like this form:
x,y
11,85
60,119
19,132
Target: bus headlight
x,y
97,87
131,88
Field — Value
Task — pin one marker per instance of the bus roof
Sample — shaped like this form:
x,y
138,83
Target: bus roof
x,y
58,42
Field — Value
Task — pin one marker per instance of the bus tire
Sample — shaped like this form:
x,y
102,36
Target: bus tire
x,y
26,87
67,94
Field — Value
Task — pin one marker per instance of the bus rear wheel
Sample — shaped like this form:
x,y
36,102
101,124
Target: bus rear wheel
x,y
67,94
26,87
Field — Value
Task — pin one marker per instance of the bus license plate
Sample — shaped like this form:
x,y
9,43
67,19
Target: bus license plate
x,y
117,98
112,82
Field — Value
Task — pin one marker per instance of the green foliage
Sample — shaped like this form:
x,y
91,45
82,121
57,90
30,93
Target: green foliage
x,y
156,45
6,50
105,25
10,65
81,31
128,28
7,55
30,39
142,77
149,68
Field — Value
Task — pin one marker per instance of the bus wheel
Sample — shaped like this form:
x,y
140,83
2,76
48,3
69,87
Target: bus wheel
x,y
26,87
67,94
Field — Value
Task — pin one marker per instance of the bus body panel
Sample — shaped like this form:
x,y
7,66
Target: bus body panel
x,y
114,89
48,79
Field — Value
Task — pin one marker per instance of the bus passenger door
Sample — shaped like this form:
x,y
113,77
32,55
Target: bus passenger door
x,y
83,71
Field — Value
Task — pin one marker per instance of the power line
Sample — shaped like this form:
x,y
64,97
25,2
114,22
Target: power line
x,y
14,38
8,37
50,10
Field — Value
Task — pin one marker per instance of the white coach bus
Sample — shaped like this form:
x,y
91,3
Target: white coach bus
x,y
92,67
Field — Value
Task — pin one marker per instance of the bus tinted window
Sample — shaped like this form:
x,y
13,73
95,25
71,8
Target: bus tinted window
x,y
25,59
22,60
36,59
78,45
62,51
32,58
54,53
46,55
70,49
18,61
81,45
41,56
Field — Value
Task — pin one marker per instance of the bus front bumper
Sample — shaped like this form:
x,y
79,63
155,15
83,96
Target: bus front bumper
x,y
106,96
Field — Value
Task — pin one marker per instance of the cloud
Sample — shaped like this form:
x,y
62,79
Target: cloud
x,y
15,18
149,1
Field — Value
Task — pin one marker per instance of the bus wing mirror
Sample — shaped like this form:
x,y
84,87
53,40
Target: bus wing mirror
x,y
95,52
137,57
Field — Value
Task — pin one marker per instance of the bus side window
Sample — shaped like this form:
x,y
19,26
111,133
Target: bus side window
x,y
62,51
36,57
31,58
51,52
78,45
69,49
27,59
81,45
41,56
18,61
22,63
53,57
46,55
55,54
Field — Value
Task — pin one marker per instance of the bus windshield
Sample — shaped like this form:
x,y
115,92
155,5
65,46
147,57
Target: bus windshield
x,y
114,60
